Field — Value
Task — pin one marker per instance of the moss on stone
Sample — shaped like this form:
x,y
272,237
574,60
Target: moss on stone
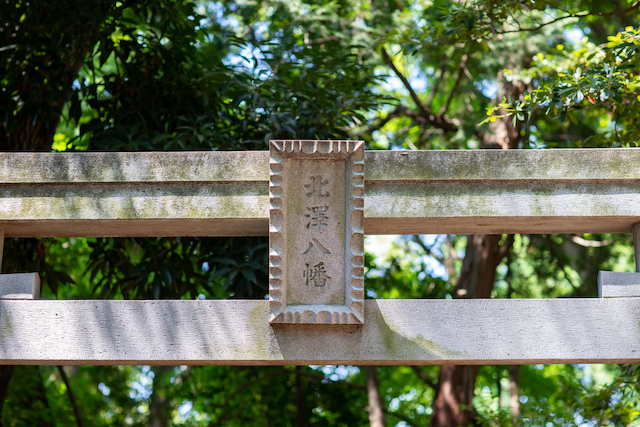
x,y
6,327
400,346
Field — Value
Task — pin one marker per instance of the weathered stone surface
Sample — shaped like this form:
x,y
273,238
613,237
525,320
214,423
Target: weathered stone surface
x,y
396,332
227,193
134,194
423,165
152,206
462,207
612,284
20,286
316,232
134,167
509,165
1,246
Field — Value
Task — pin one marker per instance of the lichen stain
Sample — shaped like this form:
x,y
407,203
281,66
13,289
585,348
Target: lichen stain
x,y
480,164
137,202
258,318
6,328
402,347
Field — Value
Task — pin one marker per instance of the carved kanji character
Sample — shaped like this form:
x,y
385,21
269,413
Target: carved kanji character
x,y
315,275
319,245
317,184
317,217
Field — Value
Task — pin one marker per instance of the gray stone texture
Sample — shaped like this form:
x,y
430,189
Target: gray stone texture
x,y
20,286
612,284
316,232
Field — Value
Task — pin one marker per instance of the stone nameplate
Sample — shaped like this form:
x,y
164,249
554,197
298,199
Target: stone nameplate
x,y
316,240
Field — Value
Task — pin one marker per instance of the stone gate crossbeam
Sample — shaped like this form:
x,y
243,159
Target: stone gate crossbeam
x,y
318,197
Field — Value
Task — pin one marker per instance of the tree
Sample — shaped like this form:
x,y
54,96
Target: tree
x,y
232,75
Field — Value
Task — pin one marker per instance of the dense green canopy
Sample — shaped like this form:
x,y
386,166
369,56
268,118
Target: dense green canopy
x,y
173,75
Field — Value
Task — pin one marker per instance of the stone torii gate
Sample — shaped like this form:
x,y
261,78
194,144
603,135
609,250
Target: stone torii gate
x,y
316,200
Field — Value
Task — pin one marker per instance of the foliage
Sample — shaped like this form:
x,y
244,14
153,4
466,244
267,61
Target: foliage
x,y
588,77
612,404
164,75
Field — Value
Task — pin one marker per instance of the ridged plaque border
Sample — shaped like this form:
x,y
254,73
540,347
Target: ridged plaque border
x,y
352,312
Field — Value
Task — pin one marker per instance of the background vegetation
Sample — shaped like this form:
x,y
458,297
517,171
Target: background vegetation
x,y
400,74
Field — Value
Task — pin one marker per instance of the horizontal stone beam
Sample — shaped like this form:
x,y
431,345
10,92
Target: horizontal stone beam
x,y
237,332
406,192
612,284
231,166
134,167
20,286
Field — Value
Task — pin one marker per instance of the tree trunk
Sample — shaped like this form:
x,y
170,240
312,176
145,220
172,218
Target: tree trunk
x,y
452,405
159,409
514,396
31,135
375,408
5,377
157,413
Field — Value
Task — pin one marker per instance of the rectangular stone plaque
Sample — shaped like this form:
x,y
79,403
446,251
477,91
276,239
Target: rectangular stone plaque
x,y
316,240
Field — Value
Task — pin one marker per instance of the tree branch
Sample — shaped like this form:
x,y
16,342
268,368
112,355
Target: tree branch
x,y
387,59
575,15
456,86
452,249
72,397
424,377
590,243
434,89
323,40
426,249
554,252
399,111
506,247
425,112
440,122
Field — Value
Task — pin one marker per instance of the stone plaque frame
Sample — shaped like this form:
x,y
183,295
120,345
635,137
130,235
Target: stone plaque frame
x,y
336,295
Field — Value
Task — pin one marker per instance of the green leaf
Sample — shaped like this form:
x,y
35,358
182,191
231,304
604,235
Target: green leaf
x,y
243,96
166,274
573,118
249,275
220,273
